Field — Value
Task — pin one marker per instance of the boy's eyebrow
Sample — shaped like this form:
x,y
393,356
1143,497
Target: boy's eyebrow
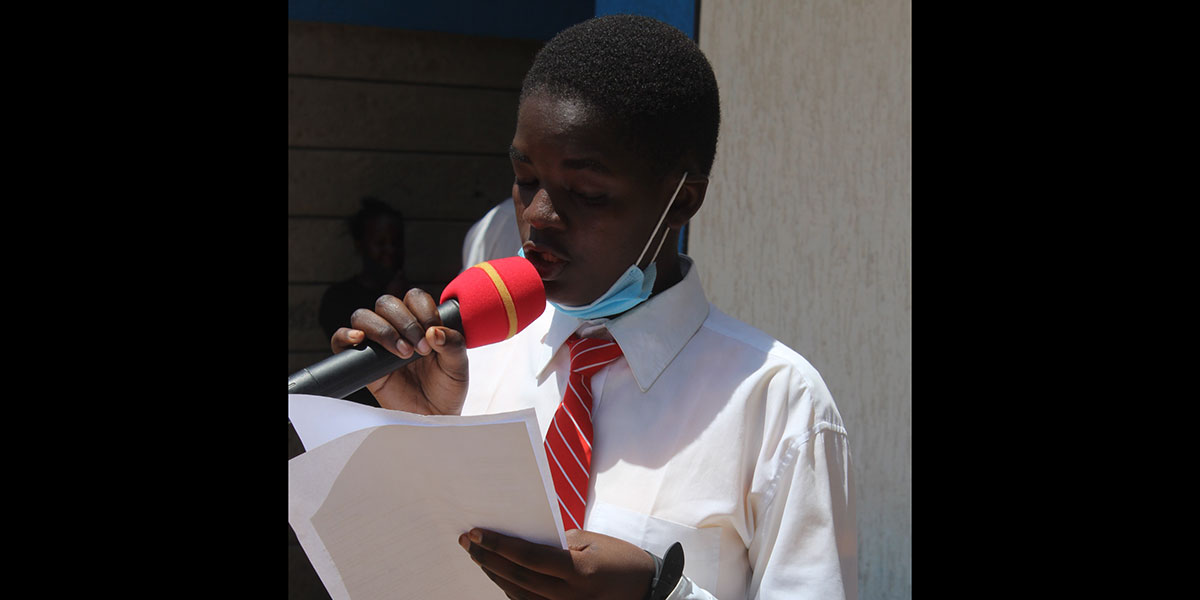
x,y
517,155
570,163
585,163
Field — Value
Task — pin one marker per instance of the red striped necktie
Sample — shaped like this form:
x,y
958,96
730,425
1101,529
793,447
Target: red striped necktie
x,y
569,439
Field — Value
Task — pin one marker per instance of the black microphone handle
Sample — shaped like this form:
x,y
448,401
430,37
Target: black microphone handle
x,y
350,370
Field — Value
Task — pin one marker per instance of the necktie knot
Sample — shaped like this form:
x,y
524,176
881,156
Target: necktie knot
x,y
589,355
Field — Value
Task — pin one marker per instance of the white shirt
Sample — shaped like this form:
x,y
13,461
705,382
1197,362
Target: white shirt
x,y
493,236
707,432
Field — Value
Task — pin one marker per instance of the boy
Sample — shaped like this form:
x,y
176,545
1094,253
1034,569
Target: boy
x,y
701,442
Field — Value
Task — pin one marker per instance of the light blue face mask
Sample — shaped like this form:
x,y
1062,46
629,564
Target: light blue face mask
x,y
633,286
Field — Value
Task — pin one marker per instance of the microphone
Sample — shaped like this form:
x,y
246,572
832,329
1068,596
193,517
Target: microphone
x,y
488,303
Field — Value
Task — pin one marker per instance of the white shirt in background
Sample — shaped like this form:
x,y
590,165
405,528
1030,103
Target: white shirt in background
x,y
493,236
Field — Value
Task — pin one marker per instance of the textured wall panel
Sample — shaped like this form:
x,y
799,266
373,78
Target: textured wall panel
x,y
420,120
806,230
363,115
423,186
358,52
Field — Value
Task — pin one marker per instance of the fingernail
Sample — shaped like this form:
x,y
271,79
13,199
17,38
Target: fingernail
x,y
475,536
423,347
439,337
462,541
355,336
405,349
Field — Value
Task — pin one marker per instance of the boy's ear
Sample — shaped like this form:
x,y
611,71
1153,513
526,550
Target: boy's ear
x,y
688,202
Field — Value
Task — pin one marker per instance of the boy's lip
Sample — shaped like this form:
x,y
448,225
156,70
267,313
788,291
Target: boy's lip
x,y
549,262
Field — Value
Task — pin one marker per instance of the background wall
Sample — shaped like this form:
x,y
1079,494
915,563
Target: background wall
x,y
421,120
807,228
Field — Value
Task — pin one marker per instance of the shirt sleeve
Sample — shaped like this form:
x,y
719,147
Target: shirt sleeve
x,y
686,589
806,543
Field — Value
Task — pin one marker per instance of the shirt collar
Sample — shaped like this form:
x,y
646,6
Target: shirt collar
x,y
650,335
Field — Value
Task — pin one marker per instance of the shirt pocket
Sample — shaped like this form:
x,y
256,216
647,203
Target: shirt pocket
x,y
701,546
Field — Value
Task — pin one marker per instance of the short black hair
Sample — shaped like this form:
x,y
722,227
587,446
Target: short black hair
x,y
643,73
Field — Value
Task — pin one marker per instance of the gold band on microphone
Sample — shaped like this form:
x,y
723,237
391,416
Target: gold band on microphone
x,y
505,297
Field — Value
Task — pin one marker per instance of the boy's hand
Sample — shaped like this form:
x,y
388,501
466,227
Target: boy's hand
x,y
436,385
593,566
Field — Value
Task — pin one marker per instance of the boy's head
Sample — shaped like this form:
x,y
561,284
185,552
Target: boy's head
x,y
613,113
643,76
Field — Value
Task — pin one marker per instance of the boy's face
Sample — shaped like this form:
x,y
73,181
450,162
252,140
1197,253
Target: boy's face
x,y
585,205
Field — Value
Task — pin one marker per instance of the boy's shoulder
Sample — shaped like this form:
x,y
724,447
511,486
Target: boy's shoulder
x,y
751,338
745,345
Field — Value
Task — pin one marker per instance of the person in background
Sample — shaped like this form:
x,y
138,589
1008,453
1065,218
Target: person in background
x,y
377,230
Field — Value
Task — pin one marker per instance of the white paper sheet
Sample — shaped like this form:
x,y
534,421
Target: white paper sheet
x,y
379,498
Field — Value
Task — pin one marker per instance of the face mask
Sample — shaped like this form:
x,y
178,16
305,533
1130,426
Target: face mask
x,y
633,286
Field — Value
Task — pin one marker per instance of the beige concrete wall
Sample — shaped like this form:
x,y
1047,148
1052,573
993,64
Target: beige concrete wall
x,y
806,231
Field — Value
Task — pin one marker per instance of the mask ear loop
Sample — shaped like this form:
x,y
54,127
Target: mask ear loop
x,y
660,222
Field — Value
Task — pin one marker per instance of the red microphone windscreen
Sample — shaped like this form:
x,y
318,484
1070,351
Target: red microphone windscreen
x,y
496,299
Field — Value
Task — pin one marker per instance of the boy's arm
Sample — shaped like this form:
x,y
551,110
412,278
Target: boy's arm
x,y
806,544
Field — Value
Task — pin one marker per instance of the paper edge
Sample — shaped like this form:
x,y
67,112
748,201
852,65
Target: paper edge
x,y
300,404
543,464
300,514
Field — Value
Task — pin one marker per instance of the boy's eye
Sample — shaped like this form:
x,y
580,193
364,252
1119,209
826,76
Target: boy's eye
x,y
582,197
597,199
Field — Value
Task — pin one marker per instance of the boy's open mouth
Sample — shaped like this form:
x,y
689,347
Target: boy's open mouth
x,y
547,262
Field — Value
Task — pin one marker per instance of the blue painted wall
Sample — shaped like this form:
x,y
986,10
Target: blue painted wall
x,y
526,19
680,13
522,19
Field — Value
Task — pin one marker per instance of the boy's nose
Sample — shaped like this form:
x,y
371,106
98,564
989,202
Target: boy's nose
x,y
540,213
